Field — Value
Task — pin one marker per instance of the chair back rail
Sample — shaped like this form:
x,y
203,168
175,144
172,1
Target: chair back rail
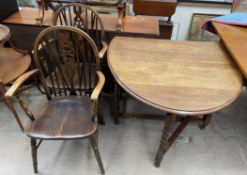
x,y
83,17
68,58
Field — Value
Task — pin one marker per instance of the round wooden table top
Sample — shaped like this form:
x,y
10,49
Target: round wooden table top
x,y
4,33
12,64
181,77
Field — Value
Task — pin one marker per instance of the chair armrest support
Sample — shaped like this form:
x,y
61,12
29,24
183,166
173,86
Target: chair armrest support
x,y
99,86
103,50
14,88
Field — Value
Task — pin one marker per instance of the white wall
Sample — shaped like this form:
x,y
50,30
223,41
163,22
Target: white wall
x,y
182,17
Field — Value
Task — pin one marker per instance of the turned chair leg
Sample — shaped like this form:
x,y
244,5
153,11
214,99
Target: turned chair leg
x,y
94,143
116,103
34,155
101,119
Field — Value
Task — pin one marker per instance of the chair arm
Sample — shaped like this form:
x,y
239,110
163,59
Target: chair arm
x,y
99,86
103,50
13,89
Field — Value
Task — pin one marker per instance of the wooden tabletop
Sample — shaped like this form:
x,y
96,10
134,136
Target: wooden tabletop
x,y
133,24
4,33
181,77
234,39
12,64
94,2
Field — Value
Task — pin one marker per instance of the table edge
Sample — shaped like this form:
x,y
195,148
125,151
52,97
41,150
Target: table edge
x,y
229,50
157,106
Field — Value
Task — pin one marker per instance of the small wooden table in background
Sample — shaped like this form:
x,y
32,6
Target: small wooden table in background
x,y
23,24
184,78
120,5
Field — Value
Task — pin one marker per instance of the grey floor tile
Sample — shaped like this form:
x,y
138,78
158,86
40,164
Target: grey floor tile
x,y
129,148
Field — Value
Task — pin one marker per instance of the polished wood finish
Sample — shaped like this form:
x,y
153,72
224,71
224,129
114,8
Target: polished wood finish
x,y
239,6
234,39
27,16
166,29
57,122
96,92
4,34
183,78
24,26
69,113
12,64
143,25
120,5
155,7
85,18
200,66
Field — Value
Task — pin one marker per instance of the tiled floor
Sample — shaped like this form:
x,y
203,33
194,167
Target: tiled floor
x,y
129,148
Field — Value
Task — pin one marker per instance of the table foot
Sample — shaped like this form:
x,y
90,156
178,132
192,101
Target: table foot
x,y
164,142
166,139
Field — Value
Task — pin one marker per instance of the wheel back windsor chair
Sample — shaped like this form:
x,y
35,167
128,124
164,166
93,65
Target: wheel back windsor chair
x,y
64,53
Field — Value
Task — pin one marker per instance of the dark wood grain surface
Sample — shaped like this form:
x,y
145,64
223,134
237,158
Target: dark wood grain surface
x,y
234,39
181,77
57,121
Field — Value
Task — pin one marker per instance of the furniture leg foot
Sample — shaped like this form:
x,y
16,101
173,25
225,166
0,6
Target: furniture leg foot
x,y
94,143
166,139
164,142
160,154
34,155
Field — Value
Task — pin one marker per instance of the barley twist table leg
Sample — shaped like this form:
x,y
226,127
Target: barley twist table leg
x,y
164,142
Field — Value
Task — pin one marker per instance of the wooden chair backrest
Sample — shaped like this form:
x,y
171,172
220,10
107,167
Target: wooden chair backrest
x,y
68,58
83,17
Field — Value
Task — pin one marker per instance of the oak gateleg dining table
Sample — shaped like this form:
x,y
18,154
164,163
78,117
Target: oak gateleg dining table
x,y
186,79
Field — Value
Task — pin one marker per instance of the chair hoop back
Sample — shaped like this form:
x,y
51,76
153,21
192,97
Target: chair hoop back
x,y
68,59
83,17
